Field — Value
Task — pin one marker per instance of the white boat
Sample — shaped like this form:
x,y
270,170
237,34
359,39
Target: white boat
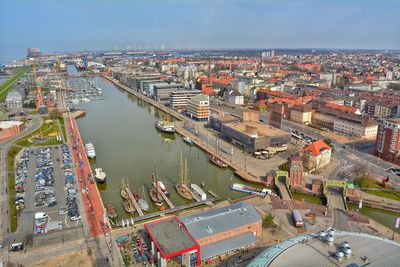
x,y
90,152
251,190
100,175
165,126
198,192
162,186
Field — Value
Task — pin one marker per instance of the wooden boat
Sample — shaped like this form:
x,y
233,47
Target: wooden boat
x,y
182,187
129,208
154,193
217,161
123,193
111,211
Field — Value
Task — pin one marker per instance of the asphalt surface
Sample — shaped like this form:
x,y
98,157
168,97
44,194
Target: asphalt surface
x,y
337,205
34,124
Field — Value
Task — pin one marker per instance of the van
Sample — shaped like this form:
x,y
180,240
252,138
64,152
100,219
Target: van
x,y
40,215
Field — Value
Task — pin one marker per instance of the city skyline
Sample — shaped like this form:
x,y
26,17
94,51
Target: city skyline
x,y
107,25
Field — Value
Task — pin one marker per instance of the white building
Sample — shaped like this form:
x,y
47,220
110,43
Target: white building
x,y
234,97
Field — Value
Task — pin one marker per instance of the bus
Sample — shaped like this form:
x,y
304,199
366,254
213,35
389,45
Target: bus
x,y
297,220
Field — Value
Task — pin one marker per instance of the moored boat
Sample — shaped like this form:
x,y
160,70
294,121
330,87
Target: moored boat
x,y
188,141
154,192
217,161
111,211
182,187
165,126
90,152
99,175
129,208
143,204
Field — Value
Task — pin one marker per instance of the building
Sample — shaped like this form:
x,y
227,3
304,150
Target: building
x,y
301,114
314,250
162,91
387,144
178,100
170,240
356,125
234,97
224,230
198,108
295,171
9,129
316,155
250,134
14,99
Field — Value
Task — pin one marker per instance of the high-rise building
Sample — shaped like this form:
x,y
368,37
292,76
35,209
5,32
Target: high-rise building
x,y
272,53
198,108
387,144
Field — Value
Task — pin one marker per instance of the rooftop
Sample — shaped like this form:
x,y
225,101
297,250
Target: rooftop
x,y
305,250
262,129
170,236
317,147
221,220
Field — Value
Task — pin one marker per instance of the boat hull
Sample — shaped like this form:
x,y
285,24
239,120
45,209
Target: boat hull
x,y
167,131
155,196
183,192
217,162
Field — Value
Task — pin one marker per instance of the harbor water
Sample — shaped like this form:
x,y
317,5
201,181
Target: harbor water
x,y
128,146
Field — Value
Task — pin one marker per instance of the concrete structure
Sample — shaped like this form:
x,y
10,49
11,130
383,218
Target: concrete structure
x,y
170,239
301,114
387,144
234,97
163,91
178,100
250,134
316,155
223,230
9,129
312,250
295,171
14,99
199,108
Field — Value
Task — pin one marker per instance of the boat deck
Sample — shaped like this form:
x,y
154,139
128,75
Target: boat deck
x,y
166,199
133,201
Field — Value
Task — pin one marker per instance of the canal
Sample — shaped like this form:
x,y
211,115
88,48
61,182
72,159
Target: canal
x,y
128,146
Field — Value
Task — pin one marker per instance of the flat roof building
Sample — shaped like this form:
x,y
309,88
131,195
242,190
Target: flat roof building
x,y
199,108
178,100
223,230
171,240
163,91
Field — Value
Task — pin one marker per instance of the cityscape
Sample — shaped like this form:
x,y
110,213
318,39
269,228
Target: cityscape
x,y
208,146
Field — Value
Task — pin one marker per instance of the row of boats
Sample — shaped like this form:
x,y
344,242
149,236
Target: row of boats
x,y
169,128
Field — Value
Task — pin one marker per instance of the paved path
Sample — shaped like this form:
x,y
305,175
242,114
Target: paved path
x,y
92,202
339,210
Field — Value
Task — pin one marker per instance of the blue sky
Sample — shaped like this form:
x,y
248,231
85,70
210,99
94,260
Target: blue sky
x,y
104,24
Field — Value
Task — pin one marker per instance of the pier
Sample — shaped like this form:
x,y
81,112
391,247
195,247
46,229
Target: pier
x,y
195,197
166,199
133,201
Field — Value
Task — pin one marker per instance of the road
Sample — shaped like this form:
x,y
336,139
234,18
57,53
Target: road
x,y
337,205
34,124
346,154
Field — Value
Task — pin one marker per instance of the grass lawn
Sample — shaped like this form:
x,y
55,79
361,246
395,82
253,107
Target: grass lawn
x,y
13,213
7,85
45,129
370,186
307,198
62,124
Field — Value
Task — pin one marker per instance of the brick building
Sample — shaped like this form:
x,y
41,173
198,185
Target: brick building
x,y
387,144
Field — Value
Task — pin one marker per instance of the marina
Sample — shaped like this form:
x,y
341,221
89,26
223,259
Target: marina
x,y
82,90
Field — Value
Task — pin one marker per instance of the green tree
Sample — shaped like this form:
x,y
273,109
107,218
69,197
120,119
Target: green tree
x,y
329,143
268,221
55,114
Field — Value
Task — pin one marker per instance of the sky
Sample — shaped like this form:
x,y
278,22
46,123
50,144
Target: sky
x,y
71,25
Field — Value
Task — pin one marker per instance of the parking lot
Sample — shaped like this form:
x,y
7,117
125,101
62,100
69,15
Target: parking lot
x,y
49,192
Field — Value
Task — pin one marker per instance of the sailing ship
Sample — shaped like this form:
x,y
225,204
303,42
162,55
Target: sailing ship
x,y
123,193
182,187
154,192
141,201
129,208
216,160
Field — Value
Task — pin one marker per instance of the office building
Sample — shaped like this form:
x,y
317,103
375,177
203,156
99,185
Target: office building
x,y
178,100
162,91
198,108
